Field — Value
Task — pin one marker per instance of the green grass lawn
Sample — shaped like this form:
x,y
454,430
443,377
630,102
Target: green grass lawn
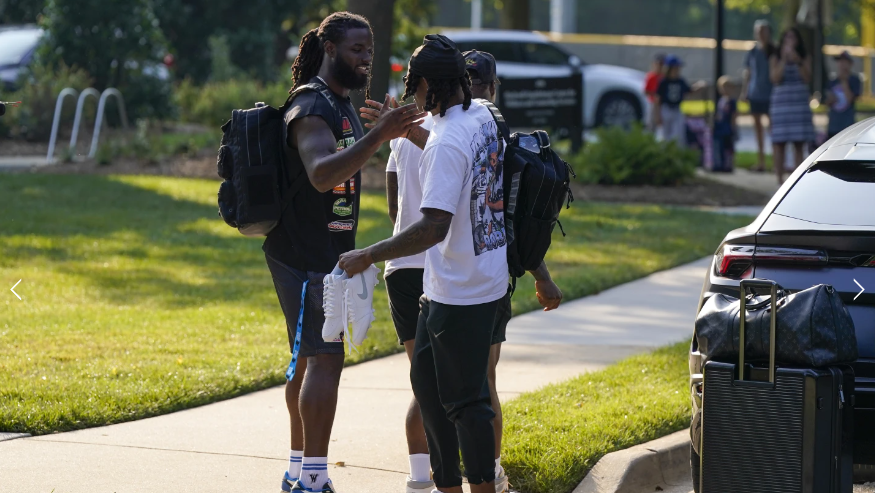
x,y
138,300
554,435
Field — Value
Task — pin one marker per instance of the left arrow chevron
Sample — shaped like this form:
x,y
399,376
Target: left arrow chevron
x,y
13,289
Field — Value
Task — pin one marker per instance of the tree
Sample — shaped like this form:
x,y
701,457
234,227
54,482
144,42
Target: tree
x,y
380,13
20,11
119,44
515,14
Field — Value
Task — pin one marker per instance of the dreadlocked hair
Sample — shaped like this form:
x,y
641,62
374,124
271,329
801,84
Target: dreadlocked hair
x,y
439,91
311,51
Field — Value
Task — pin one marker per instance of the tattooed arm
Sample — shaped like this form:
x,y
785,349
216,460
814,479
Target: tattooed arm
x,y
392,194
419,136
417,238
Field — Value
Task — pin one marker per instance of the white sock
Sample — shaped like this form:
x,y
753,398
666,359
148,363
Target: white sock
x,y
498,467
314,472
420,467
295,459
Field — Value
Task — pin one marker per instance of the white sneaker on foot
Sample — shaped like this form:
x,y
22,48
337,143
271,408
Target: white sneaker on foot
x,y
419,486
333,304
359,294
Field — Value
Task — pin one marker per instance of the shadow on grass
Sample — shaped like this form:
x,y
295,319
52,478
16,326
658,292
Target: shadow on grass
x,y
78,223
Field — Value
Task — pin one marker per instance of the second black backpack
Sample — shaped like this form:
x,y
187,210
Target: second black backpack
x,y
536,186
258,189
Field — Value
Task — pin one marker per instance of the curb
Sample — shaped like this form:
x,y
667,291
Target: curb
x,y
658,465
12,436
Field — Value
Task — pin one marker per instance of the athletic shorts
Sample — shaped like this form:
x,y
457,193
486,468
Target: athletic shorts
x,y
290,289
759,107
404,287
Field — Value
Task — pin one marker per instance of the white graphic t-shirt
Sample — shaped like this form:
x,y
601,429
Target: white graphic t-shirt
x,y
404,160
461,173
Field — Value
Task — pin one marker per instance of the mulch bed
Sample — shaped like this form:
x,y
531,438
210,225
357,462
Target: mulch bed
x,y
697,192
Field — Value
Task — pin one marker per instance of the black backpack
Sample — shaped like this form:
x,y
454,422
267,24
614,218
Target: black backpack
x,y
536,186
257,188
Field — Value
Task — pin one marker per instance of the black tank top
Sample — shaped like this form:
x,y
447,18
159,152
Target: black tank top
x,y
318,227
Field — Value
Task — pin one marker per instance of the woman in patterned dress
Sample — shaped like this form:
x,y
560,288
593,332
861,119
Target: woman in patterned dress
x,y
790,113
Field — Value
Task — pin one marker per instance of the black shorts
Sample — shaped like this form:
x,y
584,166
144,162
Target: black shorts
x,y
760,107
404,287
289,284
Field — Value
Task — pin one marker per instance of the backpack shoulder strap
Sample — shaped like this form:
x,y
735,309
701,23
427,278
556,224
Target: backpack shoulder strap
x,y
323,90
503,129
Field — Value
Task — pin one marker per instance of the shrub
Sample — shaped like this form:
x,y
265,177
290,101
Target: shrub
x,y
211,104
120,44
633,157
38,92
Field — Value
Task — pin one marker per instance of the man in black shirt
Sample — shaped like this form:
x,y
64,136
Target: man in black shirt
x,y
320,224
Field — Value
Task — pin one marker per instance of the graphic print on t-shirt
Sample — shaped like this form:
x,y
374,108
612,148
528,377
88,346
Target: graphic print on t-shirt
x,y
487,190
348,136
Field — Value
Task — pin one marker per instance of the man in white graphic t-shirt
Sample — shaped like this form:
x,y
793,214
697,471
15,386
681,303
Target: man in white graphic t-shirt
x,y
463,284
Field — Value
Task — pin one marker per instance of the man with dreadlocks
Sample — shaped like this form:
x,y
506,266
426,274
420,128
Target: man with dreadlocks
x,y
404,276
329,155
464,278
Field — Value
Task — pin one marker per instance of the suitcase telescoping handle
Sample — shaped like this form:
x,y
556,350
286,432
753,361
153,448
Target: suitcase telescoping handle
x,y
742,314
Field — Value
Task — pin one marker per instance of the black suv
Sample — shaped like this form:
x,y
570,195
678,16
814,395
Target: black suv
x,y
818,228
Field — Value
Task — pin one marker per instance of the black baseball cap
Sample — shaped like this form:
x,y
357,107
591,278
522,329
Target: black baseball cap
x,y
845,55
481,67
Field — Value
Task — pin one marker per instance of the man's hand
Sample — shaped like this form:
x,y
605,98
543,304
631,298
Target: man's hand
x,y
396,122
549,294
355,261
376,111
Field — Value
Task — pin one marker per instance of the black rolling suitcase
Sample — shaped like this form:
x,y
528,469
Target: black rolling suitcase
x,y
776,430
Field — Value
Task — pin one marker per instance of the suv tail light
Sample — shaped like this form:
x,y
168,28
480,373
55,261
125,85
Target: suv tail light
x,y
736,261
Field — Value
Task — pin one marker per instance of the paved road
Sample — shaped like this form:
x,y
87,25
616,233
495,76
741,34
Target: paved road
x,y
241,444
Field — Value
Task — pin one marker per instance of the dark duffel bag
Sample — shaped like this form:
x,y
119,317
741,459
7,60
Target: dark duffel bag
x,y
775,429
813,328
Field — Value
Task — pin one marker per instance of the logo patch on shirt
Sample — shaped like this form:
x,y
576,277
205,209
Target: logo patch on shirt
x,y
340,208
341,226
341,189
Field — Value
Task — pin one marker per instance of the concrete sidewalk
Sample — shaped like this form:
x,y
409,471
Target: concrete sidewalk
x,y
241,444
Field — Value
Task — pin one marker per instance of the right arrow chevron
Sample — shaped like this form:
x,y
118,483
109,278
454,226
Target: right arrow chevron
x,y
861,289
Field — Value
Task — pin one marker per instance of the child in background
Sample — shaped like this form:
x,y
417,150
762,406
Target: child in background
x,y
669,94
725,127
651,84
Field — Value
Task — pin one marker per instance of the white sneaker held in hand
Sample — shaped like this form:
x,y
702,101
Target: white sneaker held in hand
x,y
359,294
334,305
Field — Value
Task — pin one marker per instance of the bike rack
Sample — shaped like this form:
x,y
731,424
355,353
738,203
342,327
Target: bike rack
x,y
78,119
69,91
101,108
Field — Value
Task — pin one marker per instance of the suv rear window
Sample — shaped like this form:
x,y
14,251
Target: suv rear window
x,y
840,193
503,51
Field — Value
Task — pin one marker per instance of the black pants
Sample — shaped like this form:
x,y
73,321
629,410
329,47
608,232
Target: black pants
x,y
449,378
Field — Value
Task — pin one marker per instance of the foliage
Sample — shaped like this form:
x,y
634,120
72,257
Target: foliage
x,y
211,104
633,157
38,92
553,436
150,144
20,11
119,44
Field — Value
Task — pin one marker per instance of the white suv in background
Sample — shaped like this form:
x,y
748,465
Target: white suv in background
x,y
612,95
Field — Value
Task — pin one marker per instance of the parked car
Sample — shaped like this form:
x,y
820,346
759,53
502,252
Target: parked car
x,y
612,95
17,44
819,228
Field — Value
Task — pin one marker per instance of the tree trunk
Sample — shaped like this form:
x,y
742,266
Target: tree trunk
x,y
515,15
380,13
